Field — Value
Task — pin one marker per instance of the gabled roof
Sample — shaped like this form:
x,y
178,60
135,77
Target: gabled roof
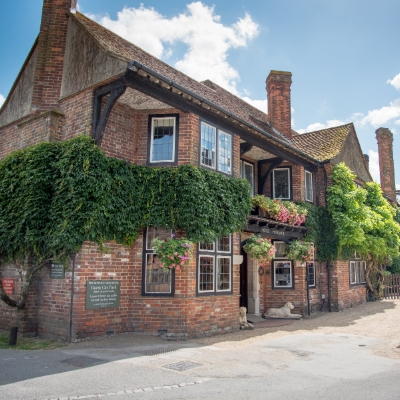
x,y
126,51
324,144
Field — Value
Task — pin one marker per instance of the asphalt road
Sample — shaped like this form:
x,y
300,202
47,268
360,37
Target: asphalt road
x,y
302,365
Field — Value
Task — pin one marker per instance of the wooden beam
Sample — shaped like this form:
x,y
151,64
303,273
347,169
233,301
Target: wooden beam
x,y
115,90
182,102
262,180
245,147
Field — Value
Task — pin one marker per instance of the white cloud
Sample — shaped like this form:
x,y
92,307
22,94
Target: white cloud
x,y
395,82
374,165
208,40
316,126
2,99
382,115
260,104
397,186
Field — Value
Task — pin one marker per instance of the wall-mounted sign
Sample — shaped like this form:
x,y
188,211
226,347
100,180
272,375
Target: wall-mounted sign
x,y
57,271
8,286
102,294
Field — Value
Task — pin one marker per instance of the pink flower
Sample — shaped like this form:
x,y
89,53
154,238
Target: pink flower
x,y
172,235
178,268
175,253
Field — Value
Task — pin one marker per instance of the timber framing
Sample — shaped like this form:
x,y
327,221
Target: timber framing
x,y
274,229
262,180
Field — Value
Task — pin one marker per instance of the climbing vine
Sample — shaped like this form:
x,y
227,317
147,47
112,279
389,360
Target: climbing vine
x,y
364,222
55,196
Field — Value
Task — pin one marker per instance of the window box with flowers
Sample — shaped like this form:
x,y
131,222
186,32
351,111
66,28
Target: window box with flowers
x,y
286,212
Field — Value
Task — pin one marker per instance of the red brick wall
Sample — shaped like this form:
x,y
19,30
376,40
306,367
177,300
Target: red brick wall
x,y
279,110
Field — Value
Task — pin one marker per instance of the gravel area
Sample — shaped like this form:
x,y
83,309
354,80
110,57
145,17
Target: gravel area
x,y
380,319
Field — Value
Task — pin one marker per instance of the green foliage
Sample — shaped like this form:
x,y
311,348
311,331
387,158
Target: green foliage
x,y
173,252
260,249
363,219
394,266
300,250
321,232
54,196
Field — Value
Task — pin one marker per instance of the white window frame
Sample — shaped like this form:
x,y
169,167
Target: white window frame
x,y
291,273
215,254
152,139
289,183
355,271
216,164
243,175
312,186
313,284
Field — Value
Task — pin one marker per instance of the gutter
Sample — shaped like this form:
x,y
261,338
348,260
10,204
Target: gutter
x,y
136,66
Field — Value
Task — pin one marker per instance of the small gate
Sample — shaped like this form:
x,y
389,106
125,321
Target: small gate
x,y
391,288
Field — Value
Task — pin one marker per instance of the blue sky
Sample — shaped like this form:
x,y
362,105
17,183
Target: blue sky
x,y
344,55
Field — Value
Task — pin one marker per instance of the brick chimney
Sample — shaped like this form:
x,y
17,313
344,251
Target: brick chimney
x,y
279,110
386,165
50,54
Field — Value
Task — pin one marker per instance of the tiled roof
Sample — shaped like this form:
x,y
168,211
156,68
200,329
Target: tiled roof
x,y
121,48
324,144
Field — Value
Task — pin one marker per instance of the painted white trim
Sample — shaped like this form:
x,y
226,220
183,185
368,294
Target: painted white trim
x,y
198,274
230,274
305,186
291,274
215,142
152,137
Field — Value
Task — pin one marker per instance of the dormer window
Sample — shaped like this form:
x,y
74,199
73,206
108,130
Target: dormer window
x,y
281,184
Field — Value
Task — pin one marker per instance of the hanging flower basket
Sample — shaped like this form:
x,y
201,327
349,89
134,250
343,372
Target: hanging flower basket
x,y
259,249
301,251
172,252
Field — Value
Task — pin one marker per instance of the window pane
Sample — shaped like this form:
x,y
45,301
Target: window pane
x,y
281,184
206,246
311,273
206,274
159,233
224,244
352,272
283,274
224,273
163,139
309,187
225,152
280,248
248,174
157,281
208,147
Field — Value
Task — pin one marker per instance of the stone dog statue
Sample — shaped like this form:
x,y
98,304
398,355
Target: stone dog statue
x,y
283,312
243,319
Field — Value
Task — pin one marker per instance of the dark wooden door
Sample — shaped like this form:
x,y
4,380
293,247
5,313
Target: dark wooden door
x,y
243,282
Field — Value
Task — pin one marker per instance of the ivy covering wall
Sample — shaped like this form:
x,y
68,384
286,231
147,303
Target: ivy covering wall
x,y
55,196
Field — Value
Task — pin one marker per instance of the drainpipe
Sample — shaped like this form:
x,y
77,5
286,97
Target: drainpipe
x,y
328,266
308,291
72,299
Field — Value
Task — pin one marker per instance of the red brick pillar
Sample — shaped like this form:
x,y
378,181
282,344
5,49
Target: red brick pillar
x,y
386,164
279,109
50,54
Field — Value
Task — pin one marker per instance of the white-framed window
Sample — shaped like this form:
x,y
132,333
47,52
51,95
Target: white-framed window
x,y
357,272
216,148
155,280
215,266
309,186
281,183
247,172
310,266
283,274
162,139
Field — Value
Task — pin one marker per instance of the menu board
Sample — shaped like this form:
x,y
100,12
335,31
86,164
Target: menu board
x,y
8,286
102,294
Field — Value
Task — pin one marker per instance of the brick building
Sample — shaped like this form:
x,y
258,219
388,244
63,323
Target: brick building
x,y
81,78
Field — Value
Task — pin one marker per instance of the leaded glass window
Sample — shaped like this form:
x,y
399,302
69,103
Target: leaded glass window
x,y
208,145
224,152
281,183
247,172
309,186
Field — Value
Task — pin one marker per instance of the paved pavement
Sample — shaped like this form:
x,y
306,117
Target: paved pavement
x,y
300,365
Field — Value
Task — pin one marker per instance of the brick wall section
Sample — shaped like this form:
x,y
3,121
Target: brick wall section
x,y
30,131
345,295
50,54
279,109
386,164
